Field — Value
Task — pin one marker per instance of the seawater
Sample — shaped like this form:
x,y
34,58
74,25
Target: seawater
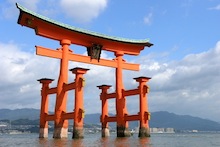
x,y
94,140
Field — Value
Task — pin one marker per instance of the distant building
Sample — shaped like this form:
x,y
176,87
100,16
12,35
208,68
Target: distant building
x,y
162,130
153,130
2,125
169,130
195,131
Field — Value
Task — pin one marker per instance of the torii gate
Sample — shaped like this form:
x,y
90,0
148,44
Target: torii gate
x,y
94,43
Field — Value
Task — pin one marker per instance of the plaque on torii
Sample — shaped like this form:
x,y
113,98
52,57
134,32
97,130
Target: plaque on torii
x,y
95,43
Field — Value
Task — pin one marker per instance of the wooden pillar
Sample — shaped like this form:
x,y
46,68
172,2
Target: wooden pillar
x,y
79,106
61,126
144,129
105,129
122,125
44,107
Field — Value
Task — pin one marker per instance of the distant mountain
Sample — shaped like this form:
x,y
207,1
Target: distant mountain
x,y
182,122
26,113
161,119
92,118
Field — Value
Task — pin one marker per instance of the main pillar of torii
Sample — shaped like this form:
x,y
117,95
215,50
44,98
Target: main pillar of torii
x,y
95,43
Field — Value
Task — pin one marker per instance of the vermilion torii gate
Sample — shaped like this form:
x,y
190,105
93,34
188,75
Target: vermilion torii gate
x,y
94,43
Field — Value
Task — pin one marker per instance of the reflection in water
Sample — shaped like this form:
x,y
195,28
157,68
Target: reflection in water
x,y
54,142
42,141
78,143
95,140
104,142
122,142
145,142
59,142
99,141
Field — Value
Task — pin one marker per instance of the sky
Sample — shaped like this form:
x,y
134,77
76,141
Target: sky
x,y
183,62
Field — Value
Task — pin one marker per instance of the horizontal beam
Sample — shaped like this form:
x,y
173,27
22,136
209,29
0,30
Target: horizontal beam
x,y
131,92
69,86
111,119
69,115
110,95
126,117
52,90
84,59
66,87
50,117
125,93
132,117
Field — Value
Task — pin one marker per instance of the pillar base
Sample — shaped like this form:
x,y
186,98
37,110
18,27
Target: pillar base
x,y
105,132
43,133
123,131
144,132
78,133
60,133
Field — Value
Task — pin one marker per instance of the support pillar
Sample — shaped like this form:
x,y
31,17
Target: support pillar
x,y
61,126
122,125
105,129
144,129
44,107
79,111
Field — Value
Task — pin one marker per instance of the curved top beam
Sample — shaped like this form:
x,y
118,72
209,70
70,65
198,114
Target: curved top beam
x,y
52,29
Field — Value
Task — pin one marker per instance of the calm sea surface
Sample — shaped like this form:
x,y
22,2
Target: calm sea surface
x,y
94,140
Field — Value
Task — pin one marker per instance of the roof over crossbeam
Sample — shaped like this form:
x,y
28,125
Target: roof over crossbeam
x,y
49,28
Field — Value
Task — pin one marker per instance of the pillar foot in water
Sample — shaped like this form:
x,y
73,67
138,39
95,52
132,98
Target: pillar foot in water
x,y
60,133
105,132
144,132
78,133
123,131
43,133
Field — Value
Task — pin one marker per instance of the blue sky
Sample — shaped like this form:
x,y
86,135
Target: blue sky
x,y
183,62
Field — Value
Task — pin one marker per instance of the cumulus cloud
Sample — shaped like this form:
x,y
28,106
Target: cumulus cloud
x,y
83,10
21,69
189,86
19,72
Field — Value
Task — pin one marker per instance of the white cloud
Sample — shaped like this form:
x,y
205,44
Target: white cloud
x,y
19,72
155,66
9,9
215,8
83,10
189,86
32,5
148,19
